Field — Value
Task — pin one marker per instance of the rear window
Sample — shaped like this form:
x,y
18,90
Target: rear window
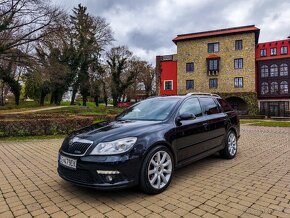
x,y
209,105
225,105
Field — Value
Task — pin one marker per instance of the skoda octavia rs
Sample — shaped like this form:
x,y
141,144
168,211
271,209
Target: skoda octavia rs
x,y
148,141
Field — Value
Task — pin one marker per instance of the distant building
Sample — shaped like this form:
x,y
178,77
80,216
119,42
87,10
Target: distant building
x,y
166,69
273,62
219,61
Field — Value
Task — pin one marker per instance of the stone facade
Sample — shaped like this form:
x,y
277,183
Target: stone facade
x,y
196,51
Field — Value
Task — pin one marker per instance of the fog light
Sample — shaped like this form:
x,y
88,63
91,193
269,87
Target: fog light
x,y
109,178
108,172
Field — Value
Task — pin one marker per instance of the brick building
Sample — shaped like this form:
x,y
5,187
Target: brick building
x,y
273,79
220,61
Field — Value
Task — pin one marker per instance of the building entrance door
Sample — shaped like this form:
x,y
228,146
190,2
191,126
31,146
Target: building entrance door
x,y
274,109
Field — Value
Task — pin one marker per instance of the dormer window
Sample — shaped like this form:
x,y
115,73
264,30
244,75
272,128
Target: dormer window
x,y
273,51
263,52
284,50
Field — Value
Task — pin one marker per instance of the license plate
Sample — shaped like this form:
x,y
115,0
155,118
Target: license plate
x,y
68,162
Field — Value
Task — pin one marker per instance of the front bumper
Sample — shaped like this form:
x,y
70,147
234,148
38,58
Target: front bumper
x,y
86,173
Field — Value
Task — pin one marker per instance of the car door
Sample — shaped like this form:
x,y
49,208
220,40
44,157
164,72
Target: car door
x,y
190,134
215,127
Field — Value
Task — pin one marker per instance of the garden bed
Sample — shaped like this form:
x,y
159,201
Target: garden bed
x,y
46,124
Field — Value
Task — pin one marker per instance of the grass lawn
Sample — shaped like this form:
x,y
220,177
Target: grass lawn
x,y
90,109
271,123
24,105
248,121
86,110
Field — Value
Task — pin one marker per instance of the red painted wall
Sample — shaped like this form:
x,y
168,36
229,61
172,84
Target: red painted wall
x,y
168,71
274,44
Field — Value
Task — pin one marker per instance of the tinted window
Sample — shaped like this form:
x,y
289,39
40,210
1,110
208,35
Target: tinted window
x,y
191,106
209,106
225,105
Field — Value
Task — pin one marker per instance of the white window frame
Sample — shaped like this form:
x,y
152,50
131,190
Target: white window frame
x,y
171,85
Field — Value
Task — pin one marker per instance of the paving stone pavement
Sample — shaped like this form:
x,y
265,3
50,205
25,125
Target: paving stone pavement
x,y
255,184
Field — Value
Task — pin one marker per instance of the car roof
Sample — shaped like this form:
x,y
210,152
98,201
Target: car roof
x,y
188,95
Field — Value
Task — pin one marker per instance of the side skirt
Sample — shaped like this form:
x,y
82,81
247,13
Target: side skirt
x,y
199,156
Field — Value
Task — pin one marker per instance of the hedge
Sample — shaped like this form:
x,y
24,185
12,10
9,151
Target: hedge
x,y
42,125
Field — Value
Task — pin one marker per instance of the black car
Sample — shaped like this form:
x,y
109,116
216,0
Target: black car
x,y
148,141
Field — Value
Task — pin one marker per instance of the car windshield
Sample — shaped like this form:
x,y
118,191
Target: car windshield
x,y
155,109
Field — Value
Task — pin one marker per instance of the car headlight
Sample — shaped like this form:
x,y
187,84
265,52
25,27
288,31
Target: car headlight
x,y
115,147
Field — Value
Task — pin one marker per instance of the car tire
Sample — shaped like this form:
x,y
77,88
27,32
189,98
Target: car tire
x,y
231,146
157,170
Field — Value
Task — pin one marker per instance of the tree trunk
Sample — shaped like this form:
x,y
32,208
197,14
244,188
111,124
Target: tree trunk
x,y
73,97
57,98
85,100
115,101
2,101
15,89
17,98
52,97
42,98
96,98
106,100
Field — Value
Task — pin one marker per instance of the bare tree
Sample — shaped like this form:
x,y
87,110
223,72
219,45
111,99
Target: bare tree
x,y
118,59
21,22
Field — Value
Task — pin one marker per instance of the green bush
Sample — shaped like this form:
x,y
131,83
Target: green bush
x,y
42,125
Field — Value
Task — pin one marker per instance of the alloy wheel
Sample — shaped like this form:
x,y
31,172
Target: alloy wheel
x,y
232,144
159,169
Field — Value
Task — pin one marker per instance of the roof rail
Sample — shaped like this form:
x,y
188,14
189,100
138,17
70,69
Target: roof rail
x,y
202,93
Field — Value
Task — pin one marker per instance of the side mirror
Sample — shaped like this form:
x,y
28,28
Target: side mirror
x,y
185,116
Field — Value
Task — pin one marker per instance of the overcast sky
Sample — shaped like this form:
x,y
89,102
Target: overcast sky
x,y
147,27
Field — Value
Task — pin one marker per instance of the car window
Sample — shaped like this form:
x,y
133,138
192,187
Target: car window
x,y
191,106
225,105
209,105
150,109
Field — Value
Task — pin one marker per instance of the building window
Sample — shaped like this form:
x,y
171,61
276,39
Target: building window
x,y
190,67
239,44
274,70
274,108
284,50
213,47
283,70
264,88
274,88
238,63
273,51
189,84
284,87
213,83
238,82
168,85
263,52
213,65
264,71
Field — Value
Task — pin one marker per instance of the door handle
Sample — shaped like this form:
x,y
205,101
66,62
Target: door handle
x,y
205,125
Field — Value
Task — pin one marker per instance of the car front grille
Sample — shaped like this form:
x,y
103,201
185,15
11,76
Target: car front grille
x,y
76,148
79,175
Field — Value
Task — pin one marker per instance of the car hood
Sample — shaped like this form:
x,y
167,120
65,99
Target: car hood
x,y
118,129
